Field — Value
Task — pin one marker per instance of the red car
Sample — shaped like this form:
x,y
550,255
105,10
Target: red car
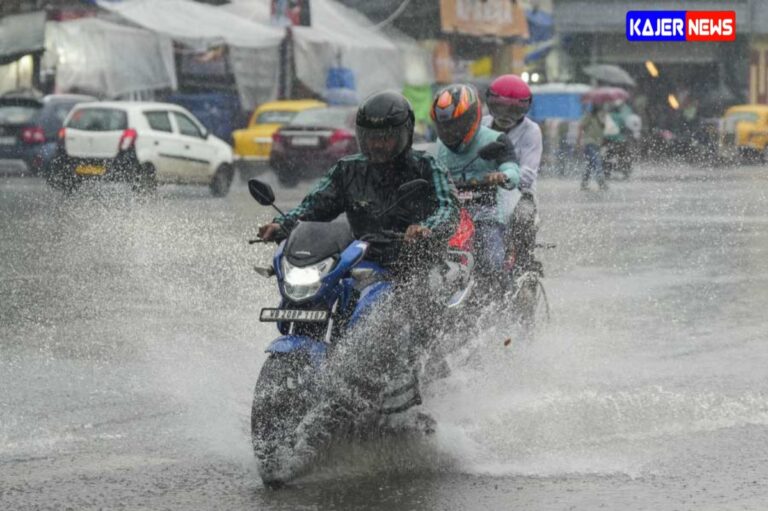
x,y
313,141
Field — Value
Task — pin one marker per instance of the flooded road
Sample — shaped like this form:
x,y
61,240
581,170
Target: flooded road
x,y
130,343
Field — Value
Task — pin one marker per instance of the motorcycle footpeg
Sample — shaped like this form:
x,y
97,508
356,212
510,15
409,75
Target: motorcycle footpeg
x,y
413,401
426,423
264,272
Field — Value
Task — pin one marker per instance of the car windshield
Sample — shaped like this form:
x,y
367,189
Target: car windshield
x,y
331,117
275,117
17,114
742,116
732,119
98,119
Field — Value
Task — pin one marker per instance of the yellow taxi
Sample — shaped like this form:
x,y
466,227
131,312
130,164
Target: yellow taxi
x,y
254,143
744,132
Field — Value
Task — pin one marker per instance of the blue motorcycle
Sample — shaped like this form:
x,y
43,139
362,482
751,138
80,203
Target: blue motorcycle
x,y
328,288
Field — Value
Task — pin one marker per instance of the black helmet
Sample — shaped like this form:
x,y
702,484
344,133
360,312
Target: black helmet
x,y
384,126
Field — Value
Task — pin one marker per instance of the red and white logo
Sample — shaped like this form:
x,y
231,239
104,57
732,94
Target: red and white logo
x,y
710,26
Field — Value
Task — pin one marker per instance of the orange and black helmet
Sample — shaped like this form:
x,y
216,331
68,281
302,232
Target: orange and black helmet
x,y
456,112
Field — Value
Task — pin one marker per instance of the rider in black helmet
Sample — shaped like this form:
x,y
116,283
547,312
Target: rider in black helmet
x,y
384,126
365,184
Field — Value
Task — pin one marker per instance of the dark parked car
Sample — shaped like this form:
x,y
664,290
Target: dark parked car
x,y
312,142
29,129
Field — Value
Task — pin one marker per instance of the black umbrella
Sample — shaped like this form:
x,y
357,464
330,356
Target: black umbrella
x,y
609,73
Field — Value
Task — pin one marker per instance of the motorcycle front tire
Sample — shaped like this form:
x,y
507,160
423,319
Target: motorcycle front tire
x,y
281,399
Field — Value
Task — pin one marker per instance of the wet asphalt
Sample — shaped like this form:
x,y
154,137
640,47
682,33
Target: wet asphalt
x,y
130,343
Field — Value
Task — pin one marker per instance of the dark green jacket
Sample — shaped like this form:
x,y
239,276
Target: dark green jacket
x,y
362,190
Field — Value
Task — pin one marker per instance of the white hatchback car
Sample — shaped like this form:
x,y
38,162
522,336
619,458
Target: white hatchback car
x,y
141,143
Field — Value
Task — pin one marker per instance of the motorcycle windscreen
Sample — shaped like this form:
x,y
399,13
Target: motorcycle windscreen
x,y
311,242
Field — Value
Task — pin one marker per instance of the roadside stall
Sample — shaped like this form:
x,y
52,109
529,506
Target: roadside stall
x,y
251,49
341,38
22,41
108,60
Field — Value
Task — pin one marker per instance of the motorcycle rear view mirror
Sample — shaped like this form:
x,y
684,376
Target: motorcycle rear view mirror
x,y
492,150
262,192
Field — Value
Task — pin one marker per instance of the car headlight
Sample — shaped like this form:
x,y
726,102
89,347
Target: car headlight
x,y
302,282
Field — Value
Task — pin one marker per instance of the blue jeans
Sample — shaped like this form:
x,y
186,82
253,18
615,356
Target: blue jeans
x,y
490,247
594,164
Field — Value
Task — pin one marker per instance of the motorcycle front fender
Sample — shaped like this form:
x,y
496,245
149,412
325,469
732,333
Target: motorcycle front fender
x,y
368,299
292,343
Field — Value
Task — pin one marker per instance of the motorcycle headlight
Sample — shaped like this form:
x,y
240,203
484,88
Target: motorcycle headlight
x,y
302,282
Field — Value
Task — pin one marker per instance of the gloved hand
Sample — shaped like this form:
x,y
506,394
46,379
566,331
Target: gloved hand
x,y
496,178
527,178
416,231
267,231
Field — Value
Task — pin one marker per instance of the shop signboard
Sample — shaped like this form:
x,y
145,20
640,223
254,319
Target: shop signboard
x,y
498,18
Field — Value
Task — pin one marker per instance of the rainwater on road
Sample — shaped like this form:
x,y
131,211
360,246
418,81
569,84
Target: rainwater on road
x,y
130,344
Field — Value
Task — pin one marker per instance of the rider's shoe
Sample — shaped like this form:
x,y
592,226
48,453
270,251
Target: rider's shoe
x,y
528,265
273,484
536,267
425,423
436,368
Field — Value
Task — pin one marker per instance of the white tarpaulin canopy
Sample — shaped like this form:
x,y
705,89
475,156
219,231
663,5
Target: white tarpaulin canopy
x,y
253,46
99,57
21,34
197,25
377,61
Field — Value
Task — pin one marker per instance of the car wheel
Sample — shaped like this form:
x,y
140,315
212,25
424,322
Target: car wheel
x,y
145,179
749,156
222,180
54,180
61,176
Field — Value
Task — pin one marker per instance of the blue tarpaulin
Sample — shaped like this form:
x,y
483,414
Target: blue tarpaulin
x,y
340,77
557,101
218,111
541,26
559,106
340,87
541,29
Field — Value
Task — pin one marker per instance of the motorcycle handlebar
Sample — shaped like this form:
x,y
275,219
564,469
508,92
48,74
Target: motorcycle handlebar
x,y
464,185
386,236
276,240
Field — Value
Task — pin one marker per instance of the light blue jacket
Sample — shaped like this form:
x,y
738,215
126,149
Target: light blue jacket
x,y
455,161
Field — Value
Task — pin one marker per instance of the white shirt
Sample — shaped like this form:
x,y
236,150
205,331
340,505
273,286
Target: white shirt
x,y
526,137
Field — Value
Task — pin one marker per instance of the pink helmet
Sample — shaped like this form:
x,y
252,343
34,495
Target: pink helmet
x,y
509,99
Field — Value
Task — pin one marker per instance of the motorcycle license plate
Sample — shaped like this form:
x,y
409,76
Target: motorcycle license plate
x,y
308,316
476,197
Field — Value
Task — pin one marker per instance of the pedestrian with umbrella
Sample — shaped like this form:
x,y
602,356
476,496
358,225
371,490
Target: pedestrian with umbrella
x,y
591,130
619,122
